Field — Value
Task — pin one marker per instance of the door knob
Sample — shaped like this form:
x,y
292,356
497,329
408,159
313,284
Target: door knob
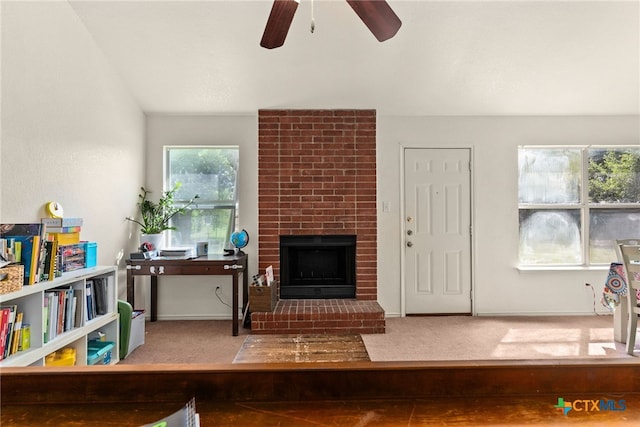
x,y
409,243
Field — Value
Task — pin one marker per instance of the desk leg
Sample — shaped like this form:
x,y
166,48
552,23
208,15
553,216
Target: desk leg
x,y
245,288
234,330
246,318
131,294
154,298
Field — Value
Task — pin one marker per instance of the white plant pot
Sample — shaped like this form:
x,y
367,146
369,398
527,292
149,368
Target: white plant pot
x,y
156,240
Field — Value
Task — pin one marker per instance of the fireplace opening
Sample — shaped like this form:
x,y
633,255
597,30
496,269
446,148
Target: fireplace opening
x,y
319,266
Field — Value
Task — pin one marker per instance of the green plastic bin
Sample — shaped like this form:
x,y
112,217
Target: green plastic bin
x,y
126,312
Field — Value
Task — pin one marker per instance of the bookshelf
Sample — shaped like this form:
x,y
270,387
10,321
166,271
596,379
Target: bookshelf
x,y
31,299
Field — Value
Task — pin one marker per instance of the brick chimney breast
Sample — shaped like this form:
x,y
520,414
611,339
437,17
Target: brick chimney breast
x,y
317,175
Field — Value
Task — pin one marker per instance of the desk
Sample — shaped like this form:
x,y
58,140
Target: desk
x,y
213,265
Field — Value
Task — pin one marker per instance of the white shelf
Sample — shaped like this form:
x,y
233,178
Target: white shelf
x,y
65,279
30,300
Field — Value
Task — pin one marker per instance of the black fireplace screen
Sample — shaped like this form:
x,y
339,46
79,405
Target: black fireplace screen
x,y
322,266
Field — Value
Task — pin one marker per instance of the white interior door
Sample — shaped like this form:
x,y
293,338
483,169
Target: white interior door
x,y
437,231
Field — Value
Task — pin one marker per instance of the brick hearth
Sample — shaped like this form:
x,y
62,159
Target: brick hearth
x,y
313,316
317,175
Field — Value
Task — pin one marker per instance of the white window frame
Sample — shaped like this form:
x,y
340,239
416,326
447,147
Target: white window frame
x,y
584,205
204,204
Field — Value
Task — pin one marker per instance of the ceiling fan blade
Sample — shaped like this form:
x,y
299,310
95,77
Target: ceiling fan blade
x,y
280,18
378,16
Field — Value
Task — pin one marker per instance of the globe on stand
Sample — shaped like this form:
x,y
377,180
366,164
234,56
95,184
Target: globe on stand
x,y
240,239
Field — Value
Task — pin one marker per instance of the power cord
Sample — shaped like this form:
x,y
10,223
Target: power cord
x,y
594,299
217,292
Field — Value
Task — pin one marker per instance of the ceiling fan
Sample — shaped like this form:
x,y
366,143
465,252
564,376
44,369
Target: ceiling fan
x,y
377,15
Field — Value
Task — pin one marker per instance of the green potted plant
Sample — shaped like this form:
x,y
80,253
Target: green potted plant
x,y
155,216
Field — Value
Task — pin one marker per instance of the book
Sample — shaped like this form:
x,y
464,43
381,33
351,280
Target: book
x,y
90,313
45,317
8,250
25,229
52,305
62,306
44,254
62,222
41,254
18,251
13,309
187,416
5,312
25,341
71,314
77,316
269,275
53,316
69,310
54,267
100,293
48,272
94,306
35,261
65,238
27,244
17,329
63,229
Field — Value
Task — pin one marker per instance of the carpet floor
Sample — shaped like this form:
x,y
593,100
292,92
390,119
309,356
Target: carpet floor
x,y
447,338
407,339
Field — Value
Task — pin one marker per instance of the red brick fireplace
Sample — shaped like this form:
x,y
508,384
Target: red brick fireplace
x,y
317,176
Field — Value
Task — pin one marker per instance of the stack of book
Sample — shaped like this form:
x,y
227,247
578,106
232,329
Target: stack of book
x,y
97,298
60,311
64,231
176,253
63,235
14,333
25,244
46,249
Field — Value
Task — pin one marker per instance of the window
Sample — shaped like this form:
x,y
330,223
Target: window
x,y
212,174
574,202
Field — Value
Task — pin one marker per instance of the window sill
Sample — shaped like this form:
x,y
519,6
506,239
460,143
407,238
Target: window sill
x,y
563,268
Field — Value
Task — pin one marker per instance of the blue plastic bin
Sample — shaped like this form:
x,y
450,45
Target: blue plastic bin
x,y
99,352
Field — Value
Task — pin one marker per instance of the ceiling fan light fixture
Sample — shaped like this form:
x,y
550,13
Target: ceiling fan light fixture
x,y
377,15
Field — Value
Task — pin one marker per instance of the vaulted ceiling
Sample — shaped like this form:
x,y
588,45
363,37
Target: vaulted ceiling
x,y
449,57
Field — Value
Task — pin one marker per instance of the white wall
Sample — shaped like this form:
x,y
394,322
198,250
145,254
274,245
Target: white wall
x,y
194,297
499,287
71,132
